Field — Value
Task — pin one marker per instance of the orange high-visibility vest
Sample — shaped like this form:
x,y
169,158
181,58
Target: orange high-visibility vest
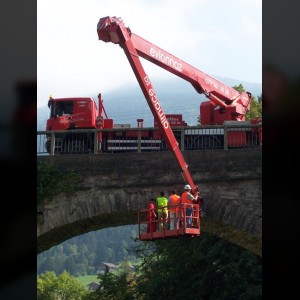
x,y
174,200
184,199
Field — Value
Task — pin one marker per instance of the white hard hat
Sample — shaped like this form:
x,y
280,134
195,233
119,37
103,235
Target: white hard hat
x,y
187,187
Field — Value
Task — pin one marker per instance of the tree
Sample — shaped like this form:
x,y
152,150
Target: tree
x,y
200,268
255,109
255,105
71,249
70,264
239,88
68,287
63,287
115,287
49,264
46,286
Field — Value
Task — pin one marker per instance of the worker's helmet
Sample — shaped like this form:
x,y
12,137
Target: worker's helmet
x,y
187,187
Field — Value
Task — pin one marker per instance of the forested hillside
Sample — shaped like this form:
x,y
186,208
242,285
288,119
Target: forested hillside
x,y
84,254
206,267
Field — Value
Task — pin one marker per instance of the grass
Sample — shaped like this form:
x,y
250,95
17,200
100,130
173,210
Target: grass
x,y
84,280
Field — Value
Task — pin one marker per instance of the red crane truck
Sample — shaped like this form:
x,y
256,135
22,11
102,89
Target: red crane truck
x,y
75,113
225,106
83,114
224,103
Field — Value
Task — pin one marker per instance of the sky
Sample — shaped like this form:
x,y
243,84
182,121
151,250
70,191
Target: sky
x,y
220,38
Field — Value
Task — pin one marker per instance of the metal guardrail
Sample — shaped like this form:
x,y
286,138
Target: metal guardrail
x,y
95,141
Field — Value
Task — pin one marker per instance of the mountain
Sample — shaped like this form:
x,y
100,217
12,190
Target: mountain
x,y
126,104
42,116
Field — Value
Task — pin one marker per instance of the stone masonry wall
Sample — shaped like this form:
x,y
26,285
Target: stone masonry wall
x,y
229,181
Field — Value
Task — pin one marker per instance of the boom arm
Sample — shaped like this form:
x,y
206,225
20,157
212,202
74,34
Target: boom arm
x,y
111,29
225,103
233,104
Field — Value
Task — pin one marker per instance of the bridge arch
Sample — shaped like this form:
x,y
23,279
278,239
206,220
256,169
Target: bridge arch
x,y
113,187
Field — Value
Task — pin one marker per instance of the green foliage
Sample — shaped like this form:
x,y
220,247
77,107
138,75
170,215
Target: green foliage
x,y
255,106
63,287
84,254
52,181
46,286
205,267
116,287
255,109
239,88
200,268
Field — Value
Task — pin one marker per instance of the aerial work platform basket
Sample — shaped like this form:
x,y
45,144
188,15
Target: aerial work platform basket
x,y
170,227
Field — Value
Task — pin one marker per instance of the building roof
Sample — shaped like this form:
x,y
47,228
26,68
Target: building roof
x,y
109,265
93,285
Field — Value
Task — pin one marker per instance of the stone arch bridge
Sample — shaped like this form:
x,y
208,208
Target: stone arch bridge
x,y
112,187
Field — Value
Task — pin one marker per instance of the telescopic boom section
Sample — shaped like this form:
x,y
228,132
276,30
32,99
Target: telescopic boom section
x,y
112,29
236,104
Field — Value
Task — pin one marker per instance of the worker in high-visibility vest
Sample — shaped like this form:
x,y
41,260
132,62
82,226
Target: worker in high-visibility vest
x,y
162,211
188,198
174,210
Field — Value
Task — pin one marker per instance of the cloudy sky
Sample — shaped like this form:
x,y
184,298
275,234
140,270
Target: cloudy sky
x,y
222,38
